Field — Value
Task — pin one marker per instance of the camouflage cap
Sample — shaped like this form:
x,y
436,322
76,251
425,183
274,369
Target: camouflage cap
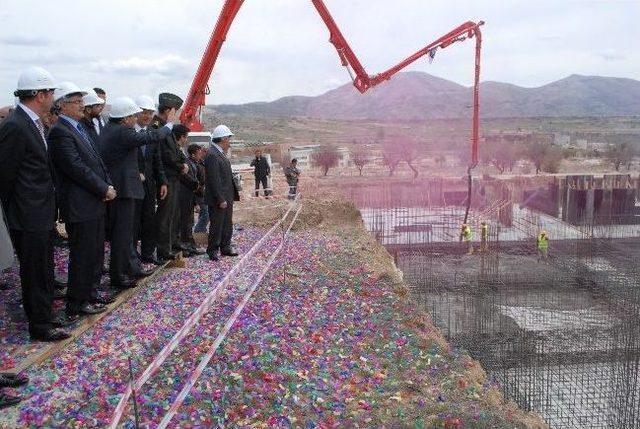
x,y
167,99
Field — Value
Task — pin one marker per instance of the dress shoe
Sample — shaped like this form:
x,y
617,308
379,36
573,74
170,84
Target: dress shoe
x,y
50,335
86,308
13,380
195,251
214,256
103,299
59,283
229,252
64,320
60,293
150,260
170,256
123,283
7,400
142,273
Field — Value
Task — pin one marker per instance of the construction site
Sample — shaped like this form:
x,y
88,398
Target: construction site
x,y
559,335
459,299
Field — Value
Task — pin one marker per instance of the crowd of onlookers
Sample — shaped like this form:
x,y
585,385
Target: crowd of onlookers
x,y
127,177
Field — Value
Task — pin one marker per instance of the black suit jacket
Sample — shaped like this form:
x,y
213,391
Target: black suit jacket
x,y
90,127
83,177
26,178
219,184
150,164
118,145
170,153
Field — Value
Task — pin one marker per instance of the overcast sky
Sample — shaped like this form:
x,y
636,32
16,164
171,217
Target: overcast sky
x,y
280,47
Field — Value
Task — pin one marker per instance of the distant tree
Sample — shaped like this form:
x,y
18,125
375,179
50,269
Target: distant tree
x,y
619,154
390,157
409,154
361,157
440,160
552,160
499,153
326,157
537,152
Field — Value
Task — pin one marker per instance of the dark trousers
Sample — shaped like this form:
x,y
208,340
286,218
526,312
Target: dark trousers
x,y
220,228
35,253
86,256
148,221
186,216
122,219
264,182
165,217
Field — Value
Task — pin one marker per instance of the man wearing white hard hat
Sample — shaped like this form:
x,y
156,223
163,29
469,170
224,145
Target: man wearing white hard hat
x,y
220,193
118,144
84,186
28,197
93,107
154,182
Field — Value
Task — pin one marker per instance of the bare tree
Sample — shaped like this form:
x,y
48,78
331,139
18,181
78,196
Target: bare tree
x,y
440,160
619,154
391,158
326,157
361,157
409,154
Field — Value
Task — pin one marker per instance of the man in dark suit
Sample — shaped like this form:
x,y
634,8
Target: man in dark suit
x,y
190,184
93,106
154,183
84,186
174,164
118,146
261,172
28,197
220,193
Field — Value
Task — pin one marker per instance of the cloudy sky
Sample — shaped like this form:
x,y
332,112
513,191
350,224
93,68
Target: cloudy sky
x,y
280,47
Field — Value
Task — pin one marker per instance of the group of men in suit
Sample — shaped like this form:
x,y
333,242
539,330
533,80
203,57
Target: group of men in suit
x,y
128,179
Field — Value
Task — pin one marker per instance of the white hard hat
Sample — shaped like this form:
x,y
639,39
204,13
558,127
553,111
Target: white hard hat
x,y
65,89
123,107
145,102
221,131
35,78
91,99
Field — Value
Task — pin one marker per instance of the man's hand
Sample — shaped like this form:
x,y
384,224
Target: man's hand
x,y
142,177
185,169
163,191
222,205
171,115
111,194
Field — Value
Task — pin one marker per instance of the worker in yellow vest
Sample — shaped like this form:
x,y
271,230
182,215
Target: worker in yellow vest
x,y
465,233
484,237
542,243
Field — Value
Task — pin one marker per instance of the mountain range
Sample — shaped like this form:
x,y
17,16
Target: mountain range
x,y
417,95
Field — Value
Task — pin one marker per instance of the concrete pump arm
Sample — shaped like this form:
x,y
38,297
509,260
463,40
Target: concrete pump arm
x,y
361,79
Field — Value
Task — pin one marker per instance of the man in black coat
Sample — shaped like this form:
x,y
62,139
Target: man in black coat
x,y
84,186
261,172
28,197
174,164
154,182
190,184
118,146
220,193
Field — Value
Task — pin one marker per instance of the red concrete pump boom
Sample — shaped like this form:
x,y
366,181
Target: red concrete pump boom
x,y
361,79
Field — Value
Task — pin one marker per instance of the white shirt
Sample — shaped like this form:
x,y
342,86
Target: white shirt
x,y
96,124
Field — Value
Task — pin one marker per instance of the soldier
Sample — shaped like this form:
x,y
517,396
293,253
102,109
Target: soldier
x,y
174,163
